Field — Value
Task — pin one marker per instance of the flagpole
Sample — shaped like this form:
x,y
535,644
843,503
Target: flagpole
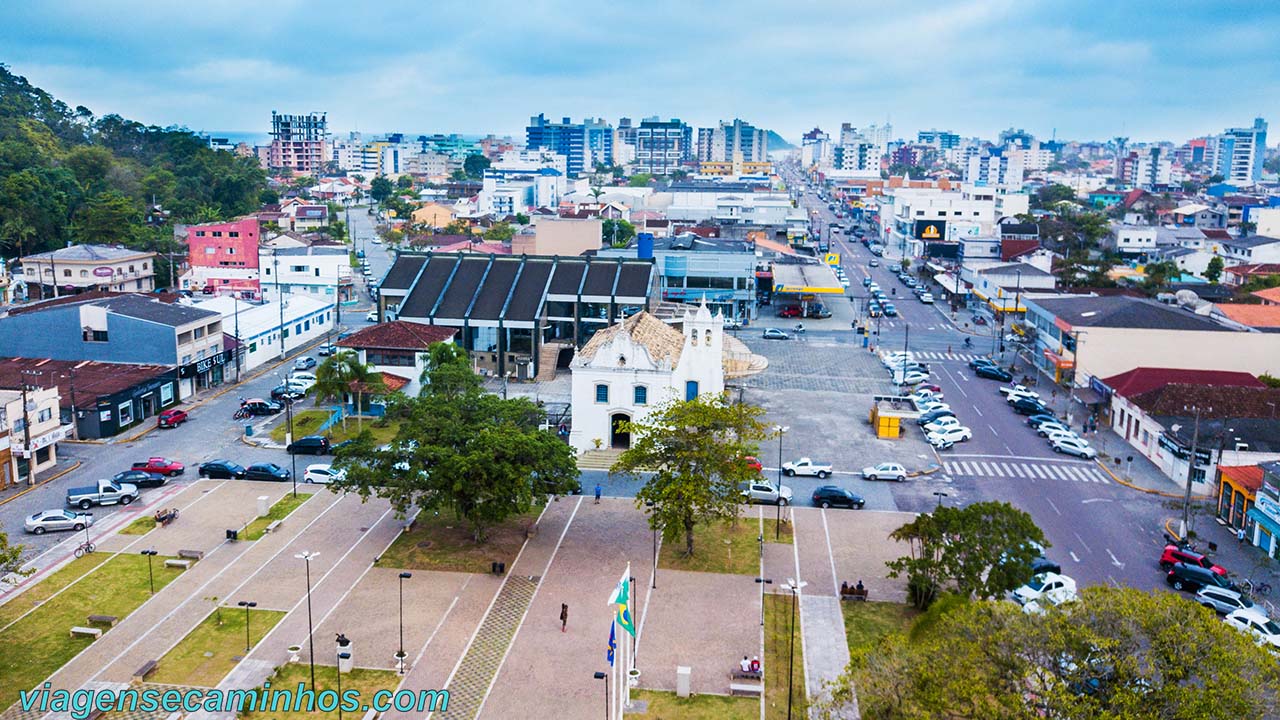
x,y
631,649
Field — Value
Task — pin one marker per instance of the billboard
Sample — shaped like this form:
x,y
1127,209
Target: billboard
x,y
931,229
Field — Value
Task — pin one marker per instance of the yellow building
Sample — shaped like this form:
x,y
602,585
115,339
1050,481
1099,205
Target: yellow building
x,y
433,215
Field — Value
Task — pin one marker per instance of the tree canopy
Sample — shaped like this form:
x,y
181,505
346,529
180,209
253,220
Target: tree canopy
x,y
474,166
617,232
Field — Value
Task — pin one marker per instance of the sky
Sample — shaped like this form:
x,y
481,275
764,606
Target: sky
x,y
1077,69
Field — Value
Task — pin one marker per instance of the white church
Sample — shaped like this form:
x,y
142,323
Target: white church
x,y
626,369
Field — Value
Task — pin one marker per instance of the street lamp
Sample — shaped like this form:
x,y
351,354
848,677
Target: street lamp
x,y
341,656
306,556
246,604
653,522
762,582
777,527
605,677
400,653
151,578
794,588
939,494
288,438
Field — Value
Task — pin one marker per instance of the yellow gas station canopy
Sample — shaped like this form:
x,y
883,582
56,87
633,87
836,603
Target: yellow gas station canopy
x,y
806,280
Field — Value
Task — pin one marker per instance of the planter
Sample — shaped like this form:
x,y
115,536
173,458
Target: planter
x,y
294,650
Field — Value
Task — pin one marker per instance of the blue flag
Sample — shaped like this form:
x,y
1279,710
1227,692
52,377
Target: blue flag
x,y
613,645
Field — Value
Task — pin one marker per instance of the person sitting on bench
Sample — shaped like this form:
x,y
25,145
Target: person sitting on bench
x,y
745,665
755,664
844,588
859,589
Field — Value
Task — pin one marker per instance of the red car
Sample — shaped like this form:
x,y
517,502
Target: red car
x,y
1173,554
791,311
161,466
753,463
171,418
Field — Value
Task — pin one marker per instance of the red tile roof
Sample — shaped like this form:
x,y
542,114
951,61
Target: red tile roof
x,y
1248,477
399,335
1220,401
393,382
1145,379
1214,234
1258,316
1270,295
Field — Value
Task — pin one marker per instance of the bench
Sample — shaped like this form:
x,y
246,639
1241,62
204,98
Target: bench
x,y
108,620
271,526
94,633
191,554
174,562
740,674
147,668
745,689
854,594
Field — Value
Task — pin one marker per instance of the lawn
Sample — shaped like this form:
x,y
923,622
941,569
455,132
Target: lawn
x,y
279,511
38,644
41,591
866,622
666,706
722,547
306,422
777,646
141,526
366,682
211,650
441,542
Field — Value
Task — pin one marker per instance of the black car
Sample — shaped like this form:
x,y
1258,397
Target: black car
x,y
929,417
1029,406
833,496
991,372
221,469
983,361
266,471
1043,564
262,407
139,478
310,445
1036,421
287,393
1193,577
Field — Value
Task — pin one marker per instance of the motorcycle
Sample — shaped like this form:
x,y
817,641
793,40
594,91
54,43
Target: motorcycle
x,y
799,329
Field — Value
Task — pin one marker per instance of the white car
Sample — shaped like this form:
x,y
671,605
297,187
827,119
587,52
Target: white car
x,y
890,359
323,474
1053,435
925,395
927,298
376,240
942,423
932,405
805,466
949,435
301,381
1050,427
1020,390
1264,630
1017,395
885,471
371,316
912,377
1073,446
1047,587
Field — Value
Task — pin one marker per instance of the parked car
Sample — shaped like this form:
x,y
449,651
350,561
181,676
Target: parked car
x,y
309,445
221,470
763,491
304,380
55,520
991,372
1052,587
141,478
981,361
789,311
805,466
105,492
1222,600
258,406
1173,554
326,350
885,471
825,496
161,466
1264,630
171,418
323,474
931,405
1019,391
1043,429
949,435
1027,406
1035,421
266,471
911,377
1190,578
753,463
933,416
304,363
287,393
942,423
926,298
1073,446
775,334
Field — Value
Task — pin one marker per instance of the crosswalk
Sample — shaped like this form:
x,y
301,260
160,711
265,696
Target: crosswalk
x,y
1072,472
930,355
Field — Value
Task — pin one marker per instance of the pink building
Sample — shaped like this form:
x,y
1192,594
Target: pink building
x,y
224,258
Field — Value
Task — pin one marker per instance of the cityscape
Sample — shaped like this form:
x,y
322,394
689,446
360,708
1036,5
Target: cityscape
x,y
678,404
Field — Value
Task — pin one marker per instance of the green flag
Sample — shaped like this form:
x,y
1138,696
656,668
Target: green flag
x,y
622,601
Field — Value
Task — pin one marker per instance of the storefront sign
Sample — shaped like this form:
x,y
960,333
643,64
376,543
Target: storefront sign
x,y
44,441
931,229
103,272
200,367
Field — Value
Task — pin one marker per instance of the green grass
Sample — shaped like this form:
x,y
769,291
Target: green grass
x,y
666,706
141,526
866,622
38,644
43,590
279,511
307,422
441,542
287,677
777,647
211,650
740,555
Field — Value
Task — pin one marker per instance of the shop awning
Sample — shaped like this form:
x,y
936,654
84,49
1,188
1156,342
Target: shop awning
x,y
1265,521
1088,396
1058,361
950,282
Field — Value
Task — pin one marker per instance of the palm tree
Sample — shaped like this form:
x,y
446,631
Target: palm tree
x,y
343,373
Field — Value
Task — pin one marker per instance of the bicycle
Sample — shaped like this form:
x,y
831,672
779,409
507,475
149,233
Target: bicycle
x,y
85,548
1255,588
240,415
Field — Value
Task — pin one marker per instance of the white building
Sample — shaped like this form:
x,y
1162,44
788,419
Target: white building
x,y
320,271
995,168
399,350
1131,239
628,368
521,181
918,215
258,329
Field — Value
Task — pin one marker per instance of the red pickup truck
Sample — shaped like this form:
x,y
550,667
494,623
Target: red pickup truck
x,y
161,466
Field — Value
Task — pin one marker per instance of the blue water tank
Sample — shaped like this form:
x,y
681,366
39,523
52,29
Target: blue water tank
x,y
644,245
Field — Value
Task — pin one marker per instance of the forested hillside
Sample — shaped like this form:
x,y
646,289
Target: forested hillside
x,y
69,176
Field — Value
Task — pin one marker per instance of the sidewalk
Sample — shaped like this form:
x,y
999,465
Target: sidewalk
x,y
20,488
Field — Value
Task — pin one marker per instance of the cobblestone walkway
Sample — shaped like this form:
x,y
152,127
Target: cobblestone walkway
x,y
480,664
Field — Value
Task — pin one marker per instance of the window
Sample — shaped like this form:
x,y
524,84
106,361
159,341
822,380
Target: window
x,y
210,250
640,396
186,359
45,415
131,269
199,233
144,266
125,412
66,273
84,273
299,268
691,390
199,333
231,251
317,272
95,336
253,347
233,233
217,233
602,393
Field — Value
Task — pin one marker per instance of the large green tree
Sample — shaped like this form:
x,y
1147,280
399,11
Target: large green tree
x,y
474,166
11,559
342,374
617,232
462,450
693,450
1213,272
380,188
1116,654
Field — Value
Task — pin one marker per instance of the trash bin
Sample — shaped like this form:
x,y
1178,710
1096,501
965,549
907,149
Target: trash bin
x,y
248,431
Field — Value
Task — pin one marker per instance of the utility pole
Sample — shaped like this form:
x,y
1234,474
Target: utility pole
x,y
235,303
275,263
26,424
1191,473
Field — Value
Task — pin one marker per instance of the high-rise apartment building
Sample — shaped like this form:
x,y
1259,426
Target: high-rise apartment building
x,y
1145,168
996,168
1237,154
730,141
661,146
298,142
939,139
584,144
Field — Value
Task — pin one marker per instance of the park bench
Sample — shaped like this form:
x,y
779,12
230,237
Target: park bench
x,y
176,563
271,527
745,689
191,554
108,620
94,633
855,594
147,668
740,674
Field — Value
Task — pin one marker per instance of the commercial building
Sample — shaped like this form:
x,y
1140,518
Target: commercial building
x,y
84,268
398,349
30,427
322,272
98,399
223,258
582,144
718,272
1147,168
298,142
728,141
522,181
1264,518
263,332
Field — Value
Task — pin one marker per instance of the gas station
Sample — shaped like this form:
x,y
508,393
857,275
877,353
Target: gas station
x,y
805,285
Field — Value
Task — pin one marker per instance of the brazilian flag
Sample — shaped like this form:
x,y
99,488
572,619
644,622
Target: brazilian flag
x,y
622,602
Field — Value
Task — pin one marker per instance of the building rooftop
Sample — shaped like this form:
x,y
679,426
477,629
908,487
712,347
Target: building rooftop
x,y
1263,317
662,341
1271,295
1144,379
1214,402
90,253
1251,241
1244,433
399,335
145,307
91,379
1026,269
1247,476
247,320
1120,311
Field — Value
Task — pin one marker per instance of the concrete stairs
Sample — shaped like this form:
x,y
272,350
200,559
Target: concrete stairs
x,y
548,354
480,665
602,459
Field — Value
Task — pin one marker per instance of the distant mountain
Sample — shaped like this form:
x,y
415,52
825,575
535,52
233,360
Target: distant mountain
x,y
777,142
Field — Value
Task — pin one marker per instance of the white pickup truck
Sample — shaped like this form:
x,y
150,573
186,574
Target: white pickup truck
x,y
106,492
1015,392
805,466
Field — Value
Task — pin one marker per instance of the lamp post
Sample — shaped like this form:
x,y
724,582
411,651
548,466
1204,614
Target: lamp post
x,y
246,604
400,653
762,582
306,556
1191,473
288,438
795,588
939,494
28,384
151,578
341,656
605,677
777,527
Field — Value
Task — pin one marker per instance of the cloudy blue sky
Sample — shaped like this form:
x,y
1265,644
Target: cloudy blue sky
x,y
1085,68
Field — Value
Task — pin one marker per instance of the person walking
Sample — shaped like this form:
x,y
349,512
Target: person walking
x,y
564,616
1240,534
598,491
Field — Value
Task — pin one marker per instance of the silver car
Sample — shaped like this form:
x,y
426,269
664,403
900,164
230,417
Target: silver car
x,y
763,491
53,520
1222,600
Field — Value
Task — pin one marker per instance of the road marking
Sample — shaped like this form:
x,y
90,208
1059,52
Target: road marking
x,y
1114,560
835,583
1073,556
975,409
1055,507
1040,472
1082,542
1094,500
1018,470
994,431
